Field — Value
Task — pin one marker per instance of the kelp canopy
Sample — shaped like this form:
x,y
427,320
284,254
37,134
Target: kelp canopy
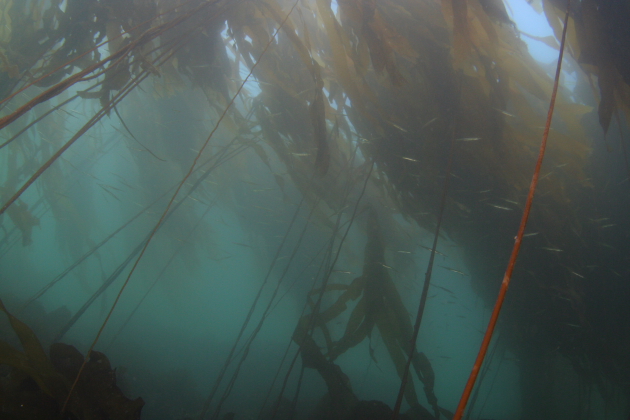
x,y
350,109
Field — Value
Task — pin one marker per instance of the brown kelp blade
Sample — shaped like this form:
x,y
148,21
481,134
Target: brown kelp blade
x,y
34,360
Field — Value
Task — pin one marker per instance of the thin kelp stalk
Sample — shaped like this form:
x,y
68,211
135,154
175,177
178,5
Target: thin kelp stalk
x,y
303,337
230,355
163,216
311,327
270,306
96,118
264,315
42,291
484,372
134,137
519,237
297,277
133,253
425,289
65,272
159,276
297,393
303,368
323,266
288,347
44,115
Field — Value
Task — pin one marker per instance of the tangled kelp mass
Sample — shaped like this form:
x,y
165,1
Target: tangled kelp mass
x,y
235,201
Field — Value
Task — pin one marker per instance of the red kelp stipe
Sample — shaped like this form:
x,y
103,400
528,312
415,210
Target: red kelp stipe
x,y
517,241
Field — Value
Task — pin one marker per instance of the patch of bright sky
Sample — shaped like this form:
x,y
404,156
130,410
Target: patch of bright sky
x,y
528,20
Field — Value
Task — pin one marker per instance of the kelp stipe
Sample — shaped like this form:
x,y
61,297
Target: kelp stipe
x,y
425,291
517,239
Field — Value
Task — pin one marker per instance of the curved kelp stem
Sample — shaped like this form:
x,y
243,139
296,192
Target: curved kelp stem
x,y
517,240
120,118
425,291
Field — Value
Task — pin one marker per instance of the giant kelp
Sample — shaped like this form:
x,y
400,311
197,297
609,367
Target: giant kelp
x,y
36,386
366,82
378,305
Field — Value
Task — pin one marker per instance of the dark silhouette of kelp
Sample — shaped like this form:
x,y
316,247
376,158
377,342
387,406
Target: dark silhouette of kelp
x,y
35,386
379,305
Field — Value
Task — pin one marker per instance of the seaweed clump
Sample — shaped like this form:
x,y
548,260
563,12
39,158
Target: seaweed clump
x,y
379,305
35,386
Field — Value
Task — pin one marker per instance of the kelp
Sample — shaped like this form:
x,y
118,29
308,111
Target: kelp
x,y
380,306
215,161
459,413
37,385
379,78
598,44
342,399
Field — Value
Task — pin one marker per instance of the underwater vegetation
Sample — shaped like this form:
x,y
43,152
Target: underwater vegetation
x,y
380,306
243,192
35,385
